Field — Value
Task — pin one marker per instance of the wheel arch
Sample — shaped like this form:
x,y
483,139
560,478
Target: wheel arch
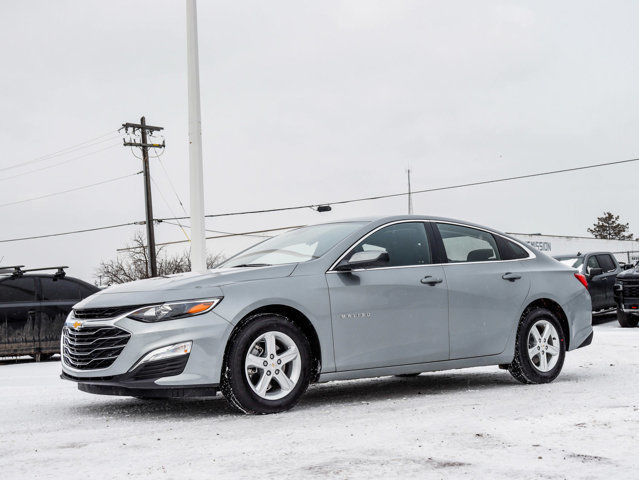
x,y
555,308
293,314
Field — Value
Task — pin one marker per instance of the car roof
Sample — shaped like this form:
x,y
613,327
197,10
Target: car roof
x,y
394,218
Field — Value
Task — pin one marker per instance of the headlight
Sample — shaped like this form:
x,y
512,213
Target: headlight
x,y
174,310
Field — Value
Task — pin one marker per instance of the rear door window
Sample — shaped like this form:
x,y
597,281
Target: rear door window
x,y
606,263
466,244
20,289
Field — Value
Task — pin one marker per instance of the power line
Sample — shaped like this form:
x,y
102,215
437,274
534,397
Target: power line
x,y
168,177
215,231
72,232
68,191
414,192
166,202
64,151
242,234
60,163
341,202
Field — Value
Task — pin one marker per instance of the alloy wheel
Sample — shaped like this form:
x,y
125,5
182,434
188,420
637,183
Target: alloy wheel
x,y
543,346
273,365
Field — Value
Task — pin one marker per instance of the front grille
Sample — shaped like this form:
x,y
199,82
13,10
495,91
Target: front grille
x,y
109,312
91,348
631,290
161,368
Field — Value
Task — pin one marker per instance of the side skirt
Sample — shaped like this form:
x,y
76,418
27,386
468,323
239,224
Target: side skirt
x,y
417,367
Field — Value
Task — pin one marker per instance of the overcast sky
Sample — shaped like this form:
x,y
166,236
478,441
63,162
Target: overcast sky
x,y
309,102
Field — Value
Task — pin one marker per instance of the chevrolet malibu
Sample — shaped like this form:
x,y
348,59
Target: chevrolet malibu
x,y
351,299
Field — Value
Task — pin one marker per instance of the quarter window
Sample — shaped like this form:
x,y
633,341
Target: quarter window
x,y
405,243
465,244
510,250
21,289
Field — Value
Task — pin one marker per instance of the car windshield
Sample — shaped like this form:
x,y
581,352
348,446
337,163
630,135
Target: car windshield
x,y
574,262
300,245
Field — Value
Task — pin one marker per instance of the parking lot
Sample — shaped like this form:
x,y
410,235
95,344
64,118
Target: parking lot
x,y
476,423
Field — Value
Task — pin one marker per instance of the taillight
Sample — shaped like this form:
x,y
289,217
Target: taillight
x,y
582,279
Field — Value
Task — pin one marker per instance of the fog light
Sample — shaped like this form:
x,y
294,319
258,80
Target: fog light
x,y
163,353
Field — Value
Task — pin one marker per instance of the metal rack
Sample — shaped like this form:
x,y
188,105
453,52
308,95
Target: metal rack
x,y
18,270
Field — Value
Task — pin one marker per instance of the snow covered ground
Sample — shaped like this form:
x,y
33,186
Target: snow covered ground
x,y
475,423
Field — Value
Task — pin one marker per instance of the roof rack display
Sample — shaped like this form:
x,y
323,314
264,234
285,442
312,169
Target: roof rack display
x,y
10,269
17,271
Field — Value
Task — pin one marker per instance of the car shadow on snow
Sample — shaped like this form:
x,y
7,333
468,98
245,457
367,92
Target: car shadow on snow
x,y
318,396
602,318
128,408
390,388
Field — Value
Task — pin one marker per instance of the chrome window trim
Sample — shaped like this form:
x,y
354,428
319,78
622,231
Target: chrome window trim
x,y
531,254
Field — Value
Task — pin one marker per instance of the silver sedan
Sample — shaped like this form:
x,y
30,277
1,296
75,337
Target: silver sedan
x,y
350,299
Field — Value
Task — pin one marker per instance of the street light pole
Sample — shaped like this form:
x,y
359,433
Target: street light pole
x,y
196,171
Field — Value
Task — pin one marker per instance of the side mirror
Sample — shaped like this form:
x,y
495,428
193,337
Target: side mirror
x,y
628,266
595,271
371,258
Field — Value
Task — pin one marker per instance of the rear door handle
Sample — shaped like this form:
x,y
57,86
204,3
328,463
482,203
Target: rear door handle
x,y
511,276
429,280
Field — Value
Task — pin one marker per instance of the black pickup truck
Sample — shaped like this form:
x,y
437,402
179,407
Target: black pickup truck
x,y
627,297
33,308
600,269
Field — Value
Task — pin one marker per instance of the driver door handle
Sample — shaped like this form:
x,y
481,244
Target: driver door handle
x,y
511,276
430,280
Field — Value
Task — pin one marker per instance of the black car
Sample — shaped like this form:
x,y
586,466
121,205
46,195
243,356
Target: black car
x,y
601,270
33,308
627,297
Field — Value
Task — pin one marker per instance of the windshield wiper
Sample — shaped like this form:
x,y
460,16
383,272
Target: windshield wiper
x,y
252,265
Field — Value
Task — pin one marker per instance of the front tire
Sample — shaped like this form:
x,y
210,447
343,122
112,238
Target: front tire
x,y
267,366
626,320
540,348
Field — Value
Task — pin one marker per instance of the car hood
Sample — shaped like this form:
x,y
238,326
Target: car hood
x,y
181,286
632,274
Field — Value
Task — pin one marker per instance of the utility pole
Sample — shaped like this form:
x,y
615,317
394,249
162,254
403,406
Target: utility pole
x,y
144,146
196,170
410,195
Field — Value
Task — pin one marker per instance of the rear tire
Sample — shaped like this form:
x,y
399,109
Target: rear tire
x,y
540,347
267,366
626,320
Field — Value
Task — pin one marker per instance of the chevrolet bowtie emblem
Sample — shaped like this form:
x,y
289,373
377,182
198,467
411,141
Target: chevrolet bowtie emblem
x,y
76,325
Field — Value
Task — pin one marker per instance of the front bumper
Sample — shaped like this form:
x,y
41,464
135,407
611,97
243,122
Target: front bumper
x,y
626,296
199,374
131,385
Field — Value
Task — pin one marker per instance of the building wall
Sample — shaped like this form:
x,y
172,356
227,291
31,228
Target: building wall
x,y
625,250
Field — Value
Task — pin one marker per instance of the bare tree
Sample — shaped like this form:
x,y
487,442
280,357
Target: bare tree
x,y
133,264
609,227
